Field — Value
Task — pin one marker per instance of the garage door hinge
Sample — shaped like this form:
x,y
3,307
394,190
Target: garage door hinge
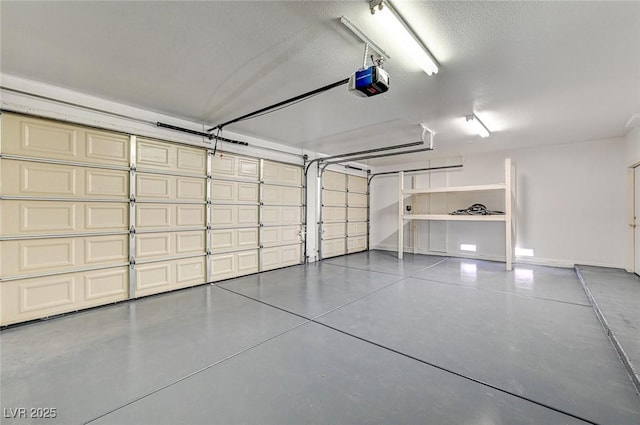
x,y
132,262
208,252
132,199
132,230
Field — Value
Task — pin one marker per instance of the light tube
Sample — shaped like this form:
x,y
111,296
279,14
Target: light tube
x,y
405,37
477,125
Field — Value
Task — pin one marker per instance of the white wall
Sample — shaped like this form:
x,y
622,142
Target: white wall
x,y
571,205
632,145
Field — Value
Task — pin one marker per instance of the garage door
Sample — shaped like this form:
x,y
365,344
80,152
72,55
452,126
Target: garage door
x,y
344,224
280,215
90,217
64,218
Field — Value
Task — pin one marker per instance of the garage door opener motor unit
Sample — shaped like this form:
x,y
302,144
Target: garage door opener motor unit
x,y
369,81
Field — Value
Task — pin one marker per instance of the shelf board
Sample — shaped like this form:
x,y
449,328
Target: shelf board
x,y
475,188
449,217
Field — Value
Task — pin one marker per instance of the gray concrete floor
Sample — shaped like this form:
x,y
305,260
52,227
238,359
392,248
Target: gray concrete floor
x,y
616,297
363,338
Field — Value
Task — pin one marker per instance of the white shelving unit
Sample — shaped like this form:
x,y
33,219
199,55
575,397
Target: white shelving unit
x,y
508,187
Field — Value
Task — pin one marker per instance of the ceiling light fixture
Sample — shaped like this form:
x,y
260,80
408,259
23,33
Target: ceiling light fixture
x,y
477,125
396,25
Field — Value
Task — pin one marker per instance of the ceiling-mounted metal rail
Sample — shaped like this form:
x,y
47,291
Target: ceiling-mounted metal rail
x,y
415,170
200,133
359,158
279,104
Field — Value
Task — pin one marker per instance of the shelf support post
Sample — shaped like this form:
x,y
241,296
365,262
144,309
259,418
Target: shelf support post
x,y
508,201
400,211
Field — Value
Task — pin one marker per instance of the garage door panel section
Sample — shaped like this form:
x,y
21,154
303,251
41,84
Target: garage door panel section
x,y
157,277
29,256
356,244
272,236
282,174
165,188
281,256
21,217
46,139
38,297
174,158
151,246
223,191
34,179
333,247
234,264
357,184
156,216
228,166
357,229
281,195
332,180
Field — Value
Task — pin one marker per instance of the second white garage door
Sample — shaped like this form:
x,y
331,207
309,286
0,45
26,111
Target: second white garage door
x,y
344,223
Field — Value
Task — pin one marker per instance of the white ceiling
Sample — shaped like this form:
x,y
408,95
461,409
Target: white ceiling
x,y
534,72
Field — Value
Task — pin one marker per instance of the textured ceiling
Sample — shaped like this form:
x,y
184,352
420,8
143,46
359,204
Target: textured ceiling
x,y
534,72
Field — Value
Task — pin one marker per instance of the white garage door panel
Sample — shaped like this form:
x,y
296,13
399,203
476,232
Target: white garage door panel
x,y
155,154
21,257
357,214
357,184
44,217
234,215
281,235
333,247
231,192
275,172
334,214
226,165
247,262
34,298
165,276
357,228
167,216
357,243
225,240
225,266
282,195
158,245
50,180
357,199
39,138
333,230
334,181
281,256
333,198
169,188
280,215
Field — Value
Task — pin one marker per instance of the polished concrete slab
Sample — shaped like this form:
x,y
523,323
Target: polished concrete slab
x,y
383,347
88,363
552,352
386,262
313,375
313,290
616,296
526,280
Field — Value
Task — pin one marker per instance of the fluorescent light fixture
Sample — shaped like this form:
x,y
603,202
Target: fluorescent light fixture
x,y
467,247
396,26
477,125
